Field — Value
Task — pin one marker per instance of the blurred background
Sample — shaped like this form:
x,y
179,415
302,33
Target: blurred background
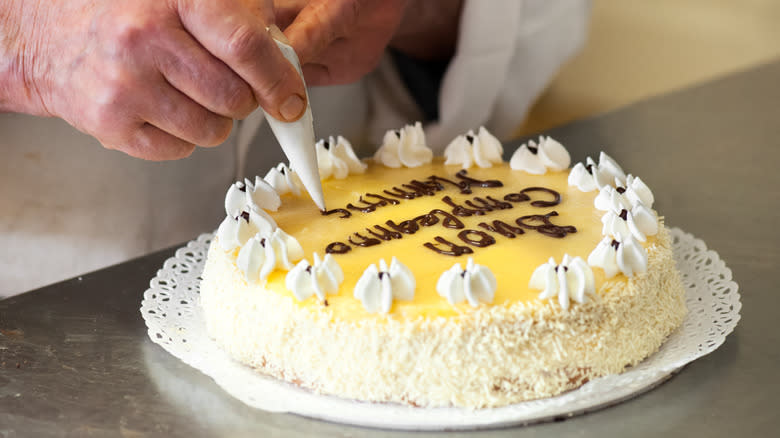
x,y
640,48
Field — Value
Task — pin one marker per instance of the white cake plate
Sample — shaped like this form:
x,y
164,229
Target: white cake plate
x,y
175,321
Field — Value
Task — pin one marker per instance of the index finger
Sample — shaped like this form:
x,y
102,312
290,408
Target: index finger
x,y
235,32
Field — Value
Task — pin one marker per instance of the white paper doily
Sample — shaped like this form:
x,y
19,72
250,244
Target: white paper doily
x,y
175,321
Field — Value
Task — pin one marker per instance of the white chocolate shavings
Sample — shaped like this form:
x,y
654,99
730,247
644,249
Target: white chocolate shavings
x,y
336,159
493,356
482,149
639,222
323,277
264,252
572,279
377,288
404,147
284,180
475,284
627,256
537,159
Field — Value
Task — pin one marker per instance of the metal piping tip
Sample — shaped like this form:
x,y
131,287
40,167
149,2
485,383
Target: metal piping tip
x,y
297,138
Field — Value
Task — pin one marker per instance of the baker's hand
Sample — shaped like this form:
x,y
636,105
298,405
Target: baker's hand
x,y
152,78
339,41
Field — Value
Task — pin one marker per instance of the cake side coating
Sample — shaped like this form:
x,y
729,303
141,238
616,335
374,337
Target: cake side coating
x,y
488,357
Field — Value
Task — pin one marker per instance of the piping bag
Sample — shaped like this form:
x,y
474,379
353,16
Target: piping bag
x,y
297,138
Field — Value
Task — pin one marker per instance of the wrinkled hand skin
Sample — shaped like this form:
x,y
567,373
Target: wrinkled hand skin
x,y
339,41
151,78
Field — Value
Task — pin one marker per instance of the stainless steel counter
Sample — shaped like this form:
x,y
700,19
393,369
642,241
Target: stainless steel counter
x,y
75,359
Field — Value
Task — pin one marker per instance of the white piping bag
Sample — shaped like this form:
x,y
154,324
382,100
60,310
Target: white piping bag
x,y
297,138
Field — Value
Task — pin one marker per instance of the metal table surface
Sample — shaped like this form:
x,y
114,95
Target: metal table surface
x,y
75,359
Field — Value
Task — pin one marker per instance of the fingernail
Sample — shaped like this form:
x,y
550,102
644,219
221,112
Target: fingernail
x,y
292,108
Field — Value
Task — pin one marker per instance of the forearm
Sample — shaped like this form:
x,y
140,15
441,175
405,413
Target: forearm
x,y
18,20
429,29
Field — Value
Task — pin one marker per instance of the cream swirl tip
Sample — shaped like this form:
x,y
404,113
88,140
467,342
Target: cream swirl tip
x,y
482,149
264,252
537,159
627,256
337,159
404,147
475,284
377,288
323,277
571,280
284,180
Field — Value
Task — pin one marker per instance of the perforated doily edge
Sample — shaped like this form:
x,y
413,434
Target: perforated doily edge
x,y
291,399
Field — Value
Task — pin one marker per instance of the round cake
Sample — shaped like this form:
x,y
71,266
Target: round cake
x,y
460,280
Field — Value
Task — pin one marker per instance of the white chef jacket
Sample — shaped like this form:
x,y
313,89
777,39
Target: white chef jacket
x,y
68,206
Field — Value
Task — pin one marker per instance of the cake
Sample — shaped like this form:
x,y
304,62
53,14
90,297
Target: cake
x,y
460,280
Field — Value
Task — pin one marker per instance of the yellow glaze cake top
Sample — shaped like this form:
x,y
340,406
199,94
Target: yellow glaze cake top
x,y
512,260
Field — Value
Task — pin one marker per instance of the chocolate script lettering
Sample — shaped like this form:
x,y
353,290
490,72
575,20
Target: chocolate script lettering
x,y
475,206
414,189
482,240
454,250
502,228
546,227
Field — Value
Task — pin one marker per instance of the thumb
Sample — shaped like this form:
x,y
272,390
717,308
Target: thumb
x,y
235,35
293,106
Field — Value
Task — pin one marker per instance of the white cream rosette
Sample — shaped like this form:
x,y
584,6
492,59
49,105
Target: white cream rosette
x,y
627,256
264,252
475,284
482,149
638,222
404,147
537,159
571,280
284,180
591,176
377,288
337,159
259,194
322,277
